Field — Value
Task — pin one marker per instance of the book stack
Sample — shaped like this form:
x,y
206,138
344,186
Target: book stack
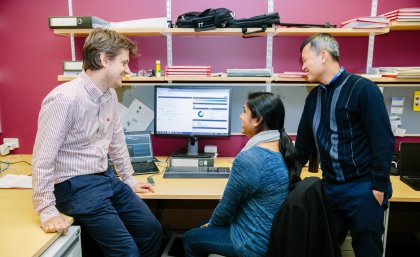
x,y
249,72
404,15
293,74
196,71
72,68
367,22
400,72
409,73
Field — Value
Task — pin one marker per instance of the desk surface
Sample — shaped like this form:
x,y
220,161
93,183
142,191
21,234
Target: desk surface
x,y
20,224
20,233
172,188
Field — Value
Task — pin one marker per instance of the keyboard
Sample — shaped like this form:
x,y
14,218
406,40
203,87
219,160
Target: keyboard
x,y
196,172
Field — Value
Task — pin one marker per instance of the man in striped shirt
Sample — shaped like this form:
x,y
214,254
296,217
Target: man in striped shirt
x,y
78,126
345,122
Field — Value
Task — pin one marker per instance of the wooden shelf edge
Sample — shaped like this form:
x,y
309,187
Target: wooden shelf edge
x,y
217,32
132,79
405,25
127,32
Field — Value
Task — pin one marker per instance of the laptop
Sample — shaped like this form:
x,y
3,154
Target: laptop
x,y
139,144
410,164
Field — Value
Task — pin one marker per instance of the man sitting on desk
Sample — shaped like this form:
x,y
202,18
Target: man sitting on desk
x,y
78,124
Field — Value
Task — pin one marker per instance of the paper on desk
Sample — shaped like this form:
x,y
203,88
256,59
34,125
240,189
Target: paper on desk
x,y
16,181
138,117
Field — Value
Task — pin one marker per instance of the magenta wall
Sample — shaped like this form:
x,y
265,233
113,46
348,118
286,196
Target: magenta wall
x,y
31,54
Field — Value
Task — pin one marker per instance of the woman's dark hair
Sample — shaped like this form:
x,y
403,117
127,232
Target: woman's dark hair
x,y
270,108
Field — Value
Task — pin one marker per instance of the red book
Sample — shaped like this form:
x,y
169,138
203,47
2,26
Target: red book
x,y
186,68
370,19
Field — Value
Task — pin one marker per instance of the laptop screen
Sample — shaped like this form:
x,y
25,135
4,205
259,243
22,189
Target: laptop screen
x,y
139,144
409,159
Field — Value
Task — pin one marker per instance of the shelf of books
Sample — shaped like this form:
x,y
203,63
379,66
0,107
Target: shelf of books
x,y
276,78
218,79
185,79
284,31
384,81
400,25
280,31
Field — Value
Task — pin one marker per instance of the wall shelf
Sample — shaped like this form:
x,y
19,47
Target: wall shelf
x,y
132,79
217,32
275,79
280,31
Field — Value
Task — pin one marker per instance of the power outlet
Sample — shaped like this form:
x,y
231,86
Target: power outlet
x,y
11,142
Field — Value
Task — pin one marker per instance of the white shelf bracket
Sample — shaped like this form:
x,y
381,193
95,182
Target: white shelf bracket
x,y
72,45
269,50
169,35
270,6
371,44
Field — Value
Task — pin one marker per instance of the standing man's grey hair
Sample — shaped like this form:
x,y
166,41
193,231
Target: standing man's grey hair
x,y
323,41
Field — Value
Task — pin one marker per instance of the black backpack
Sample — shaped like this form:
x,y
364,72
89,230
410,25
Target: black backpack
x,y
261,21
207,20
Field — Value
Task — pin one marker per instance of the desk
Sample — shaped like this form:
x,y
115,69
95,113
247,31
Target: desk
x,y
177,194
20,225
20,233
212,189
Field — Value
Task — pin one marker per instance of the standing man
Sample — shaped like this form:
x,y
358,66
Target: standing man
x,y
78,125
346,123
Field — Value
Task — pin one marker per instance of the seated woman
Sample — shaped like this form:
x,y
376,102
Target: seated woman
x,y
261,176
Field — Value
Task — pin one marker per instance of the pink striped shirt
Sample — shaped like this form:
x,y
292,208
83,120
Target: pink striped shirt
x,y
77,126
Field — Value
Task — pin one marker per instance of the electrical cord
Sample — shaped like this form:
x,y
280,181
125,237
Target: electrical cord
x,y
11,163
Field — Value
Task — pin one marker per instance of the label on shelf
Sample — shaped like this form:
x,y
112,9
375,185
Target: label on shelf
x,y
416,102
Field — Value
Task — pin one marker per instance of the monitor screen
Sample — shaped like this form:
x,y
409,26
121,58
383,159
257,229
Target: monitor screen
x,y
192,111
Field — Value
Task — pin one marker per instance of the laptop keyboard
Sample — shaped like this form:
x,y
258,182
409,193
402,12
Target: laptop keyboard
x,y
196,172
146,166
140,167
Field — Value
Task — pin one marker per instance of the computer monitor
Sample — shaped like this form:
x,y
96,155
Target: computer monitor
x,y
192,111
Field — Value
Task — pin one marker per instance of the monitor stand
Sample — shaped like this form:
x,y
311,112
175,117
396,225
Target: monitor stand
x,y
192,150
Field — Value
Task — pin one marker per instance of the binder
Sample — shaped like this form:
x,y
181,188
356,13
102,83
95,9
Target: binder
x,y
72,22
72,65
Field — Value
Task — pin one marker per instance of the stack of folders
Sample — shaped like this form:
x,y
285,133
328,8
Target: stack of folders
x,y
197,71
265,72
367,22
404,15
77,22
72,68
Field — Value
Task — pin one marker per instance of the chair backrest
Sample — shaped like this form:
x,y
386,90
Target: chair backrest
x,y
303,225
